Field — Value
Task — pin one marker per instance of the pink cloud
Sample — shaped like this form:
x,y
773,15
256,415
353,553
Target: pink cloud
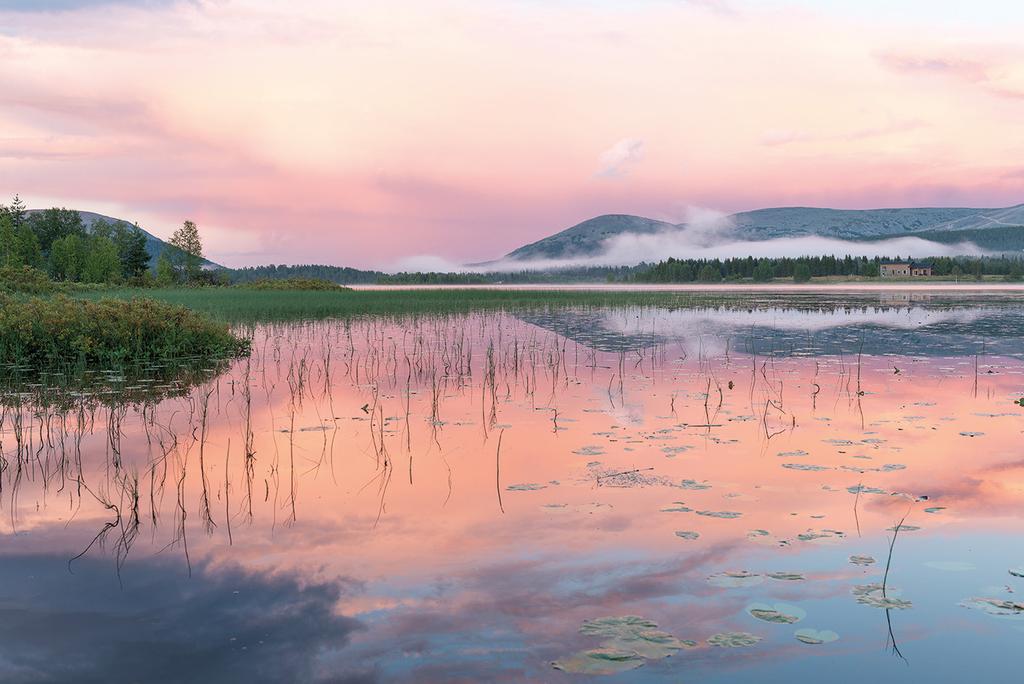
x,y
356,134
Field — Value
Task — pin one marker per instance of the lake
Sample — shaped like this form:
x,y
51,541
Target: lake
x,y
778,486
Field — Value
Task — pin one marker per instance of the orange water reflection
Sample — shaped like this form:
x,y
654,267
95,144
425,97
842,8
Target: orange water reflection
x,y
376,467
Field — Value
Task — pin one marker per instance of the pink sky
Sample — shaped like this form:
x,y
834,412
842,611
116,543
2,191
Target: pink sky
x,y
359,133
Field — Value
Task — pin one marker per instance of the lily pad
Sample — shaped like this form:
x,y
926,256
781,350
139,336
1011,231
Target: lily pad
x,y
616,626
996,607
733,639
1017,572
779,613
815,637
600,661
720,514
786,576
872,595
651,644
820,535
530,487
685,534
633,633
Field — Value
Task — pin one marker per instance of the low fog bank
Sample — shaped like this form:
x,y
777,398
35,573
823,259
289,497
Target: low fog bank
x,y
700,240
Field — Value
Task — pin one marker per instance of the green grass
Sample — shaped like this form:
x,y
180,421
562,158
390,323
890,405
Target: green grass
x,y
291,284
237,305
241,305
60,332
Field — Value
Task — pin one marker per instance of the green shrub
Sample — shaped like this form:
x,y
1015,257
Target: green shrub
x,y
311,284
59,331
25,280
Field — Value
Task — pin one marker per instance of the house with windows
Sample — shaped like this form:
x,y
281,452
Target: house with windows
x,y
905,269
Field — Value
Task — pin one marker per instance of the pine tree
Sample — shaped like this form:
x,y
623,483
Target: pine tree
x,y
131,249
17,212
8,241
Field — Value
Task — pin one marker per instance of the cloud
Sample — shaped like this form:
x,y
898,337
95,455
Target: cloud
x,y
712,242
425,263
72,5
999,73
614,161
220,624
778,137
722,7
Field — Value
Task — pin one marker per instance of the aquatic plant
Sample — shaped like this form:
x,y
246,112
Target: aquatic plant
x,y
61,331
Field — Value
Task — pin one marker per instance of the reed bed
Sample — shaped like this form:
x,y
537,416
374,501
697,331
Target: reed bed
x,y
44,333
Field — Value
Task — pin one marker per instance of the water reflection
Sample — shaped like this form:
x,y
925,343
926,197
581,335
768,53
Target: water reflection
x,y
473,489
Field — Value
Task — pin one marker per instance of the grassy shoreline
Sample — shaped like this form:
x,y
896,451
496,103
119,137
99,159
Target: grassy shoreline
x,y
237,305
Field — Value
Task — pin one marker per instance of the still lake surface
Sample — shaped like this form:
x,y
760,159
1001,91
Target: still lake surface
x,y
777,488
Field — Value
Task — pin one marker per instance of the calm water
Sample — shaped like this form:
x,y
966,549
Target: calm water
x,y
780,489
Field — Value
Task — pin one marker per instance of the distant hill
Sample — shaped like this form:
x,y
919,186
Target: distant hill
x,y
154,245
587,238
584,239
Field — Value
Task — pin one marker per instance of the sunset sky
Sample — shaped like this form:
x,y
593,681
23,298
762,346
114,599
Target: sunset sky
x,y
364,133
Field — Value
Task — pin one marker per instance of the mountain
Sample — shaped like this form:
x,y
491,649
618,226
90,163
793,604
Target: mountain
x,y
584,239
587,238
154,245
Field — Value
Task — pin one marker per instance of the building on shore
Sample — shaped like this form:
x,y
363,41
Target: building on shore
x,y
905,269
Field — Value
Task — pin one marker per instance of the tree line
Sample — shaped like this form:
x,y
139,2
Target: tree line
x,y
802,269
57,242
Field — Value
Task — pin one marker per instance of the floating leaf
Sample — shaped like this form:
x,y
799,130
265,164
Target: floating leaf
x,y
786,576
996,607
600,661
872,595
719,514
531,487
693,484
805,466
633,633
651,644
683,534
780,613
733,639
820,535
1017,572
815,637
861,489
616,626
